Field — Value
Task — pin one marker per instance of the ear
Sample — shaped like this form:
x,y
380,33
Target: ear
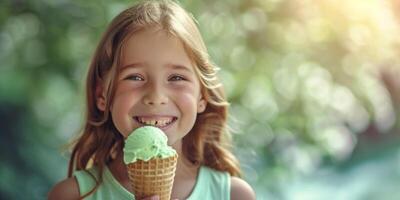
x,y
100,98
201,105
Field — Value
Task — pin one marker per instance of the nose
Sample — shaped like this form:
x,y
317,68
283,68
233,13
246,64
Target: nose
x,y
155,95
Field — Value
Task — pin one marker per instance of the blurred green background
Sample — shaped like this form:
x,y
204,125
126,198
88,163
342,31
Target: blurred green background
x,y
314,87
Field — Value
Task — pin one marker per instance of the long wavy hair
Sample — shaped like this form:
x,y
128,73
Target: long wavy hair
x,y
209,141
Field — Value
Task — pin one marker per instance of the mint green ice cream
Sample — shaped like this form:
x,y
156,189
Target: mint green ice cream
x,y
145,143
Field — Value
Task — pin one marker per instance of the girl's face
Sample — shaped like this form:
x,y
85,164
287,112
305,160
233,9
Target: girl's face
x,y
156,85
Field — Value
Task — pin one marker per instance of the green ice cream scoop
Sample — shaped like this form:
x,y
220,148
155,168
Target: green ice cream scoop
x,y
145,143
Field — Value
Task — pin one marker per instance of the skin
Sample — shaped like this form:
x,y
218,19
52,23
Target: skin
x,y
156,82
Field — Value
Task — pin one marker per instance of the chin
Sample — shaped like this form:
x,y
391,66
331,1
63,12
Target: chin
x,y
171,143
174,144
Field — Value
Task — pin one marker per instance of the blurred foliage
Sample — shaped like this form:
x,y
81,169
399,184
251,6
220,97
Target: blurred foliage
x,y
314,87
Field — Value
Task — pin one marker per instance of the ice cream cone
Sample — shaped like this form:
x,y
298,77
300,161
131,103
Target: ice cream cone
x,y
151,163
153,177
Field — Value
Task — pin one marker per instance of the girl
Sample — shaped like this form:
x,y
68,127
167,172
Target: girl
x,y
151,67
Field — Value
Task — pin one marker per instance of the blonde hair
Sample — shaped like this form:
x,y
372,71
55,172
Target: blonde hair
x,y
208,141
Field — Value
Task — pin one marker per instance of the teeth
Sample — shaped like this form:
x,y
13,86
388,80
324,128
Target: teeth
x,y
162,122
153,122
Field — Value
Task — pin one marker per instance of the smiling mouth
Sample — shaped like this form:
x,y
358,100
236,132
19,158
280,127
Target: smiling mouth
x,y
159,122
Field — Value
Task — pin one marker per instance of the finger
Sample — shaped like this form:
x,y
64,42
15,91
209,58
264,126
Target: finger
x,y
155,197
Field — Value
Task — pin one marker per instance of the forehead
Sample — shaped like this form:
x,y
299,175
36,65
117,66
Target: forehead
x,y
154,46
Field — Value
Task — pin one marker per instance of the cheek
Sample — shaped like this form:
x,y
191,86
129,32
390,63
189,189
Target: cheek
x,y
188,108
123,101
187,102
187,97
125,95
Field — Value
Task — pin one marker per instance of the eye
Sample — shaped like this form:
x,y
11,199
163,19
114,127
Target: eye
x,y
176,78
134,77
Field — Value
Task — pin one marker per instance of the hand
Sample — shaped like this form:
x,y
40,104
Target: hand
x,y
154,197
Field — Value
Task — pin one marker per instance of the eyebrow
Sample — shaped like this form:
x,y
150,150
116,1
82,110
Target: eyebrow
x,y
180,67
170,65
132,65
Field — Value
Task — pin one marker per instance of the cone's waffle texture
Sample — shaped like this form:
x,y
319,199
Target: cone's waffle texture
x,y
153,177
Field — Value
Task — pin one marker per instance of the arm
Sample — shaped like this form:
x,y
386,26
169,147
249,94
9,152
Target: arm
x,y
240,189
65,190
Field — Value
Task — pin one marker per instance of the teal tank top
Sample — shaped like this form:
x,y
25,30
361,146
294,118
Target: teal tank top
x,y
210,184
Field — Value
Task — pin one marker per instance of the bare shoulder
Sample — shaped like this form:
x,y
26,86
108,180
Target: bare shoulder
x,y
65,190
240,189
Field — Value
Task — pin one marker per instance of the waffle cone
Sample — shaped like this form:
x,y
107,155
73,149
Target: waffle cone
x,y
153,177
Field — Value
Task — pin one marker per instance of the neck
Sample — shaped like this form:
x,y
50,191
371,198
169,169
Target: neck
x,y
184,168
